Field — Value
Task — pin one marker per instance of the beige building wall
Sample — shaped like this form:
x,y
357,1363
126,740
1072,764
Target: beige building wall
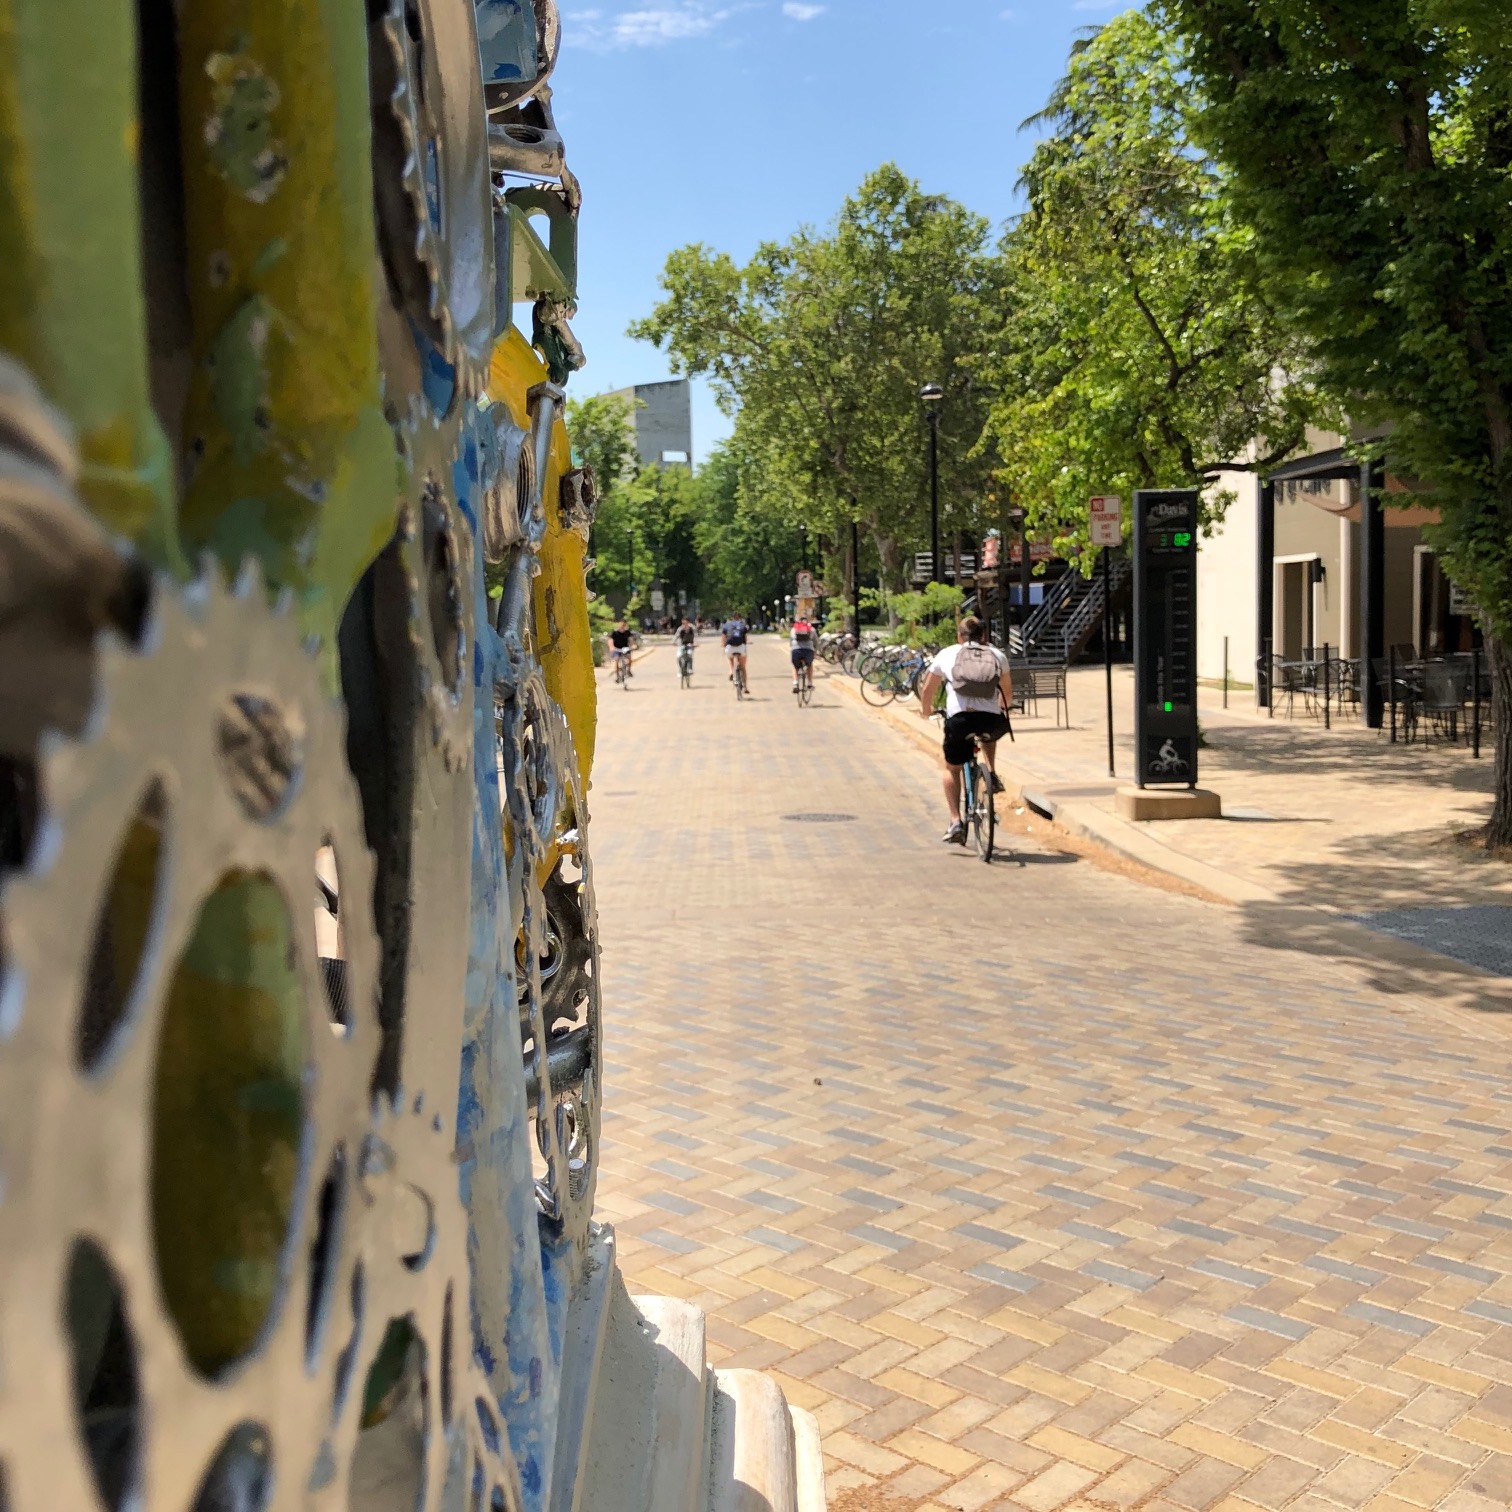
x,y
1226,566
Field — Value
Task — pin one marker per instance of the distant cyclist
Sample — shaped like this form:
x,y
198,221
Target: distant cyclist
x,y
619,647
801,643
978,690
687,637
735,636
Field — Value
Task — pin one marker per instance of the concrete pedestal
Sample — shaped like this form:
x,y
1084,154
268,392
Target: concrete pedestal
x,y
1167,803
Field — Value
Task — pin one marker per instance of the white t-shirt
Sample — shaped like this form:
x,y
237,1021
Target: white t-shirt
x,y
944,664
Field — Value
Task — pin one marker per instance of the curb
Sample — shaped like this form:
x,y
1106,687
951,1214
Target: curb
x,y
1079,819
1469,988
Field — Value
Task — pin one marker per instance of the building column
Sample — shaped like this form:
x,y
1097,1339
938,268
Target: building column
x,y
1265,590
1348,619
1372,590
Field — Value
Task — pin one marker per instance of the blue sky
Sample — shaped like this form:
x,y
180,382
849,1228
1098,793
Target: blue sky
x,y
732,122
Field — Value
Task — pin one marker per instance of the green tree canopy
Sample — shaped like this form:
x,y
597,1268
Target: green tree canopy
x,y
1140,350
819,346
1369,144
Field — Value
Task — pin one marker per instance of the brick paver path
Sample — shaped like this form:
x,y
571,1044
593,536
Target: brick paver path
x,y
1042,1188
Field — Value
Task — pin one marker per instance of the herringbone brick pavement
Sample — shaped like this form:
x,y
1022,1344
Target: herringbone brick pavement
x,y
1042,1188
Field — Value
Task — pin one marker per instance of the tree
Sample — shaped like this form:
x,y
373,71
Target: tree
x,y
1140,350
750,551
602,428
1370,148
819,346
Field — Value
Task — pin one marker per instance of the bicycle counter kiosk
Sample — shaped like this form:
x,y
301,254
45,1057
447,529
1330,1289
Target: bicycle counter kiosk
x,y
1165,640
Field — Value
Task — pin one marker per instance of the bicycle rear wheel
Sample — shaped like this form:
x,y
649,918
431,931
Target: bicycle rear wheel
x,y
877,687
983,810
806,686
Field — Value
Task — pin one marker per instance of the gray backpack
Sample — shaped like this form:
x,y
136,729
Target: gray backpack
x,y
976,671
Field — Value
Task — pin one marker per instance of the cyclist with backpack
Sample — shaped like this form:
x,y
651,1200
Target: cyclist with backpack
x,y
978,690
734,636
802,642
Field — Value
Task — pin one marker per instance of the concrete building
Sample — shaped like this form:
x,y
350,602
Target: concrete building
x,y
1303,560
663,415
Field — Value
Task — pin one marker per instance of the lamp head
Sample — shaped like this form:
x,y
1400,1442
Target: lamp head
x,y
931,396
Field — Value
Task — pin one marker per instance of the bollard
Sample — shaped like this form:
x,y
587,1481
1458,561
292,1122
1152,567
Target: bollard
x,y
1225,671
1391,689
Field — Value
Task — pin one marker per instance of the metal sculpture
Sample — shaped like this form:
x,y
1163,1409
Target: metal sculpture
x,y
300,1016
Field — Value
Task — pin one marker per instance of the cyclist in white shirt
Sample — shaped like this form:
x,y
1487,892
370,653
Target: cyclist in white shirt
x,y
978,690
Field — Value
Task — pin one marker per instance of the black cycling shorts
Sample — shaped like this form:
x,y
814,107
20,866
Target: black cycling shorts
x,y
803,656
959,728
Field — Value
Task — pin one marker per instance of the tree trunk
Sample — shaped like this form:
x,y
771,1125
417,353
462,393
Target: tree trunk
x,y
1499,659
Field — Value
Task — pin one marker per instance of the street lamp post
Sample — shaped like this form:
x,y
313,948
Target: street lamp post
x,y
856,579
931,396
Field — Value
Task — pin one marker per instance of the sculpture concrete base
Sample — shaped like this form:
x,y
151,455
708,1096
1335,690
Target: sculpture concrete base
x,y
1167,803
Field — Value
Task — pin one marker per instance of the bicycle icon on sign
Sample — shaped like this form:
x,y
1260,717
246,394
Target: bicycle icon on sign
x,y
1168,762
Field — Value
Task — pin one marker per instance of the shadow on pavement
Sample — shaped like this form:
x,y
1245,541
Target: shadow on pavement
x,y
1412,928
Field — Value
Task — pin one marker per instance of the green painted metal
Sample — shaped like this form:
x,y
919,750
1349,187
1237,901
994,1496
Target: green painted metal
x,y
537,270
71,302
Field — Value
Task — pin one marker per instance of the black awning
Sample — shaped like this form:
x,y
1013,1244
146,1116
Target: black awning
x,y
1321,466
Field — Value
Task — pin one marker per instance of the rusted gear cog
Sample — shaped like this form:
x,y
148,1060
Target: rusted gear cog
x,y
431,177
237,1276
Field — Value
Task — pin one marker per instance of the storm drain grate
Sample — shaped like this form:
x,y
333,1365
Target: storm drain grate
x,y
820,818
1478,935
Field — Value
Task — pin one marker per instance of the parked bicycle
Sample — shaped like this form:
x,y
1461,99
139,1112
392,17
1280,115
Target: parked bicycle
x,y
889,672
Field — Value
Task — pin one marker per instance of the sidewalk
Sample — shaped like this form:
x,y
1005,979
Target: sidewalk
x,y
1332,842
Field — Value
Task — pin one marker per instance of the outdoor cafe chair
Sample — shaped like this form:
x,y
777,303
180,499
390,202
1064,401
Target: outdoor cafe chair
x,y
1402,696
1445,692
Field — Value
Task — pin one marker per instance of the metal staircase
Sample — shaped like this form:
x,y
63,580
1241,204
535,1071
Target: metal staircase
x,y
1063,623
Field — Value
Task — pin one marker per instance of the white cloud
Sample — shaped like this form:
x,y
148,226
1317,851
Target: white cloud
x,y
651,27
796,10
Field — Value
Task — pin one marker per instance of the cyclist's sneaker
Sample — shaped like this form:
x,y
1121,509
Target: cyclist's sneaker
x,y
997,784
795,687
955,835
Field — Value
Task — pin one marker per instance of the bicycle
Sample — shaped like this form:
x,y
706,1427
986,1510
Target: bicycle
x,y
805,683
978,801
622,670
737,671
978,798
685,665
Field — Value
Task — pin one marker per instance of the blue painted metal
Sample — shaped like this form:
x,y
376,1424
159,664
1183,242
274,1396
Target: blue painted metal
x,y
517,1340
507,40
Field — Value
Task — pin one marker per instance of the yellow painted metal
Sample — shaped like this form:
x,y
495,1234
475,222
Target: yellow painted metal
x,y
71,303
292,459
563,641
227,1119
